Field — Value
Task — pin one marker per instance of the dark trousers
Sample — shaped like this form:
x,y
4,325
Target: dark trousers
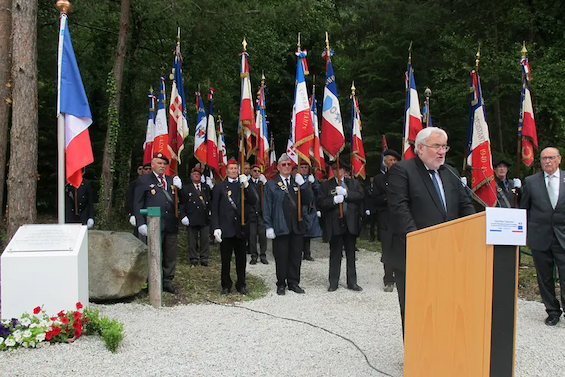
x,y
400,277
227,247
389,274
288,259
257,231
543,261
169,252
306,247
195,232
337,243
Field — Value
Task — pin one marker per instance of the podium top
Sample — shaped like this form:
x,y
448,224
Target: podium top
x,y
447,223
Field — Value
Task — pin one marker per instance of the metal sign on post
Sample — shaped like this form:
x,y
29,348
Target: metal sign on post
x,y
154,246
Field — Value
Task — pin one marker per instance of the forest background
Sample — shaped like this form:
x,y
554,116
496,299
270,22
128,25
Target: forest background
x,y
123,47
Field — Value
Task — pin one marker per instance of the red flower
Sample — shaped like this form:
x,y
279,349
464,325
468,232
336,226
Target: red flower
x,y
61,313
77,324
79,306
64,320
78,333
56,330
52,318
37,310
48,335
76,315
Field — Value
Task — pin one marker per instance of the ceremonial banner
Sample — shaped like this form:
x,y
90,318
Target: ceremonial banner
x,y
412,114
246,112
261,122
301,116
357,151
211,147
317,153
332,138
527,125
222,151
178,121
73,105
385,147
200,151
150,133
482,177
161,141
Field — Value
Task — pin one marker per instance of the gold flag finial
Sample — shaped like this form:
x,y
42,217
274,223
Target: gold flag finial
x,y
244,44
410,53
524,50
298,43
151,90
262,77
327,42
64,6
478,60
352,88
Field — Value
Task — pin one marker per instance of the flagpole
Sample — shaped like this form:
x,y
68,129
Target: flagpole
x,y
466,151
241,158
63,6
404,136
299,197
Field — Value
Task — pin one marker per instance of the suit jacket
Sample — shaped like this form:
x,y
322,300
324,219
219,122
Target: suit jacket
x,y
224,215
84,201
309,210
131,196
280,206
351,217
370,196
506,193
414,204
381,200
543,220
255,211
148,193
196,204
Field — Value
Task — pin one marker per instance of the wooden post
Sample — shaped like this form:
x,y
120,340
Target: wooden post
x,y
154,255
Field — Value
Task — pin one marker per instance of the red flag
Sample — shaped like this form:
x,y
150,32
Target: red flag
x,y
301,116
527,125
178,123
246,112
222,152
357,151
149,134
211,147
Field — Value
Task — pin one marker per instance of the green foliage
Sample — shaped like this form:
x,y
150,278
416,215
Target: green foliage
x,y
111,330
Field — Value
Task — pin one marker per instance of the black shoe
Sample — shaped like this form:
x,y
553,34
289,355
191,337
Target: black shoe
x,y
552,320
264,261
308,258
204,263
170,288
243,290
332,288
193,263
253,261
226,291
281,291
296,288
355,287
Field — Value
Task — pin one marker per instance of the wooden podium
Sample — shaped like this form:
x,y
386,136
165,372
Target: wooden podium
x,y
461,296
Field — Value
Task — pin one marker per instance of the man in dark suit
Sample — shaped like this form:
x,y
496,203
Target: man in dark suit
x,y
506,189
141,170
280,214
226,222
156,190
343,230
197,197
256,226
370,208
544,198
79,206
309,211
422,192
391,157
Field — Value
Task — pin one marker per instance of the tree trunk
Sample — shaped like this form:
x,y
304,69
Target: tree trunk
x,y
107,187
5,100
22,175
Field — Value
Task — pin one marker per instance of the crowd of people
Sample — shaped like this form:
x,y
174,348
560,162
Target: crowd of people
x,y
245,210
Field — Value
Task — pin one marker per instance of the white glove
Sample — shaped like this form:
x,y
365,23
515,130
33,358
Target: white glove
x,y
132,220
464,181
218,235
299,179
318,213
517,182
367,212
177,182
338,199
311,178
89,223
263,179
142,229
209,182
341,190
185,221
202,179
243,179
270,233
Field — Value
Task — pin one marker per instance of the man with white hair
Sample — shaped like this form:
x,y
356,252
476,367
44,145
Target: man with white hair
x,y
422,192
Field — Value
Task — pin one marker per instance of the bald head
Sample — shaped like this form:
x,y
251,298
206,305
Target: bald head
x,y
550,160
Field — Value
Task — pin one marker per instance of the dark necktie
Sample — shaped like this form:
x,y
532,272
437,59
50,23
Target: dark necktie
x,y
287,183
162,180
198,188
436,185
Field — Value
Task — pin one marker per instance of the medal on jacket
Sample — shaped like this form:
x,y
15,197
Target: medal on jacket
x,y
152,191
229,192
283,187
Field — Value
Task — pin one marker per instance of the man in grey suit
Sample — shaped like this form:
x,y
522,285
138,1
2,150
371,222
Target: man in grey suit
x,y
422,192
544,198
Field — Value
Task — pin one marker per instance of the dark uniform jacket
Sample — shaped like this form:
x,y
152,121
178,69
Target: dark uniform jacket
x,y
350,222
149,193
197,205
370,193
543,220
309,211
131,196
84,203
506,193
255,211
226,209
414,204
280,206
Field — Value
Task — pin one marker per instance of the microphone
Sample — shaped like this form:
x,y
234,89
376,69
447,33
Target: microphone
x,y
473,195
490,187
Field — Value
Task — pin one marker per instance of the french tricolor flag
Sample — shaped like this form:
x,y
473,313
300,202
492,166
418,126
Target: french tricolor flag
x,y
150,133
332,138
200,151
73,104
412,114
211,147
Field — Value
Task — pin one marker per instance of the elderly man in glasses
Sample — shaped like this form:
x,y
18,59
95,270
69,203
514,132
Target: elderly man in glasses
x,y
422,192
544,198
284,226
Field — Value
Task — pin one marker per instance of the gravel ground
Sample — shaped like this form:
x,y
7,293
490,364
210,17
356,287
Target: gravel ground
x,y
343,333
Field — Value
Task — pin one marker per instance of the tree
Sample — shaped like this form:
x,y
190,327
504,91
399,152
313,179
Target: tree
x,y
5,100
22,175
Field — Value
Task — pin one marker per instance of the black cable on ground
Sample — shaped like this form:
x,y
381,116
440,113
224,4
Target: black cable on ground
x,y
312,325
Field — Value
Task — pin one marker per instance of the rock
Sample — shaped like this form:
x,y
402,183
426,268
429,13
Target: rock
x,y
117,265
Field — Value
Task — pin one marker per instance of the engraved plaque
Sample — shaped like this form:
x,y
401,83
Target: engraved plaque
x,y
44,237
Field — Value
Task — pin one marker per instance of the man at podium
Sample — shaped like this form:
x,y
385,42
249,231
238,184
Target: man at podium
x,y
422,192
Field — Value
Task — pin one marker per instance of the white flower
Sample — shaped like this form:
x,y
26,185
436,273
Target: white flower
x,y
44,323
25,322
27,334
17,336
10,342
32,344
1,341
40,337
25,344
33,325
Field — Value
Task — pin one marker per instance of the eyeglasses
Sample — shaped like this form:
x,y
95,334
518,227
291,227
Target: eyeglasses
x,y
438,147
285,164
545,158
256,170
148,168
